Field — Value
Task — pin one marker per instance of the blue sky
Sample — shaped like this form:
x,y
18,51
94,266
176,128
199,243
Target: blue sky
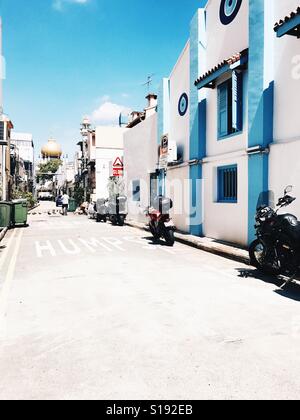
x,y
70,58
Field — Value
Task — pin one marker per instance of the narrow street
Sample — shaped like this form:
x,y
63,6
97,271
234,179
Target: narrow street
x,y
94,311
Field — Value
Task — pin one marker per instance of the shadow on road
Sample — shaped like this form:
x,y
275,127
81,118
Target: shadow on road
x,y
152,241
292,291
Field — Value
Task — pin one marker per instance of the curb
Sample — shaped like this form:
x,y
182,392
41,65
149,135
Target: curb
x,y
205,244
33,208
3,233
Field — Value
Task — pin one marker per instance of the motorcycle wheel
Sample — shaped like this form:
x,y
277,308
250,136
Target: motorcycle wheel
x,y
257,253
154,233
169,236
114,221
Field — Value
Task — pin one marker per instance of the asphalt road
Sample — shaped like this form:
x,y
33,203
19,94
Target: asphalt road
x,y
92,311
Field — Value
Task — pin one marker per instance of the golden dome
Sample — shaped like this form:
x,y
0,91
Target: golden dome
x,y
51,150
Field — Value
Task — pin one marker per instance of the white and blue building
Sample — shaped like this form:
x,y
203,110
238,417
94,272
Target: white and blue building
x,y
231,106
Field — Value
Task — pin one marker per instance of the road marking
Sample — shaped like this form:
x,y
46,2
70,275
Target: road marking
x,y
6,250
4,293
41,248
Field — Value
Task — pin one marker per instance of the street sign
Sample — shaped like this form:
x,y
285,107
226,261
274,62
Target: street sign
x,y
164,152
118,168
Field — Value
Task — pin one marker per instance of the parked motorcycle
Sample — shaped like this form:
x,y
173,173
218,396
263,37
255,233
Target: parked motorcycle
x,y
117,210
101,209
161,225
276,250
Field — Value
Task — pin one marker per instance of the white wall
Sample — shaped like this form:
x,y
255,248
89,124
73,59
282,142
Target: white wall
x,y
226,222
284,165
179,84
178,189
109,147
177,184
287,78
140,159
109,137
224,41
284,169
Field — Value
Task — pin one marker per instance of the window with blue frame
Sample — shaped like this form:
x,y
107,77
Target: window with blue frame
x,y
228,184
136,190
230,106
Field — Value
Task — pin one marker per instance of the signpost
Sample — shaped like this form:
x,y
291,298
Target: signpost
x,y
118,168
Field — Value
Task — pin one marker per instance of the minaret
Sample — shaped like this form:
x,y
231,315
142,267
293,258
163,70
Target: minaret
x,y
1,70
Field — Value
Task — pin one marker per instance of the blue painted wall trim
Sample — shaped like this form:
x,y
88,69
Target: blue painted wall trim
x,y
163,109
163,126
197,125
260,111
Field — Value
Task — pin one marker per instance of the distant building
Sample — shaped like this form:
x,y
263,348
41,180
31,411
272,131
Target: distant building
x,y
86,160
51,150
22,153
5,169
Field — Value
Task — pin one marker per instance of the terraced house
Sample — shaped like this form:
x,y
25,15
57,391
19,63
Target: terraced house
x,y
231,108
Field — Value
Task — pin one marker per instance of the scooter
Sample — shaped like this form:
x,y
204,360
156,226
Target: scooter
x,y
276,250
101,209
117,210
161,225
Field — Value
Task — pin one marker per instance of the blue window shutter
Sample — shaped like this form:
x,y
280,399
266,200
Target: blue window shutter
x,y
228,184
223,110
237,101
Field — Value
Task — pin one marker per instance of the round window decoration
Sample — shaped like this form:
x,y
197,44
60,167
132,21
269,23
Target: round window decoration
x,y
229,10
183,104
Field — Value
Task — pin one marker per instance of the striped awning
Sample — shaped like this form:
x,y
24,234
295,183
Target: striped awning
x,y
234,62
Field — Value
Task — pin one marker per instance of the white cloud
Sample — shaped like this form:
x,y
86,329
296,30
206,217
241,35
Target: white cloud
x,y
108,113
59,4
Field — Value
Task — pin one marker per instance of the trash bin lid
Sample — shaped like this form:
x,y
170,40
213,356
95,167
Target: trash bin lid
x,y
7,203
19,201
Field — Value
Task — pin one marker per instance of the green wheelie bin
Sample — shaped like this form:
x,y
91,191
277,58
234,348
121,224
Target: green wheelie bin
x,y
19,212
5,214
72,205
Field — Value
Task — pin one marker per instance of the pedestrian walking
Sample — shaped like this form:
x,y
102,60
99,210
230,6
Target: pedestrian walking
x,y
65,204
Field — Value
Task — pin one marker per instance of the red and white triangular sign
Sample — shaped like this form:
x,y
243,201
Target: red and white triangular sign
x,y
118,163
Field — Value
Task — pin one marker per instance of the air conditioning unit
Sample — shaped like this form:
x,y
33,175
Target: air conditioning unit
x,y
173,152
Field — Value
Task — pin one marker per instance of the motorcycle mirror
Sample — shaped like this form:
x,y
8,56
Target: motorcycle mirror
x,y
288,189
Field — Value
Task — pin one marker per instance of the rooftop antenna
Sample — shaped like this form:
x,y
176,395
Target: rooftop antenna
x,y
149,82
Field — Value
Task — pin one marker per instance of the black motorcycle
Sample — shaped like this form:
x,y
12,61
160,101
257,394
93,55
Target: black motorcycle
x,y
276,250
